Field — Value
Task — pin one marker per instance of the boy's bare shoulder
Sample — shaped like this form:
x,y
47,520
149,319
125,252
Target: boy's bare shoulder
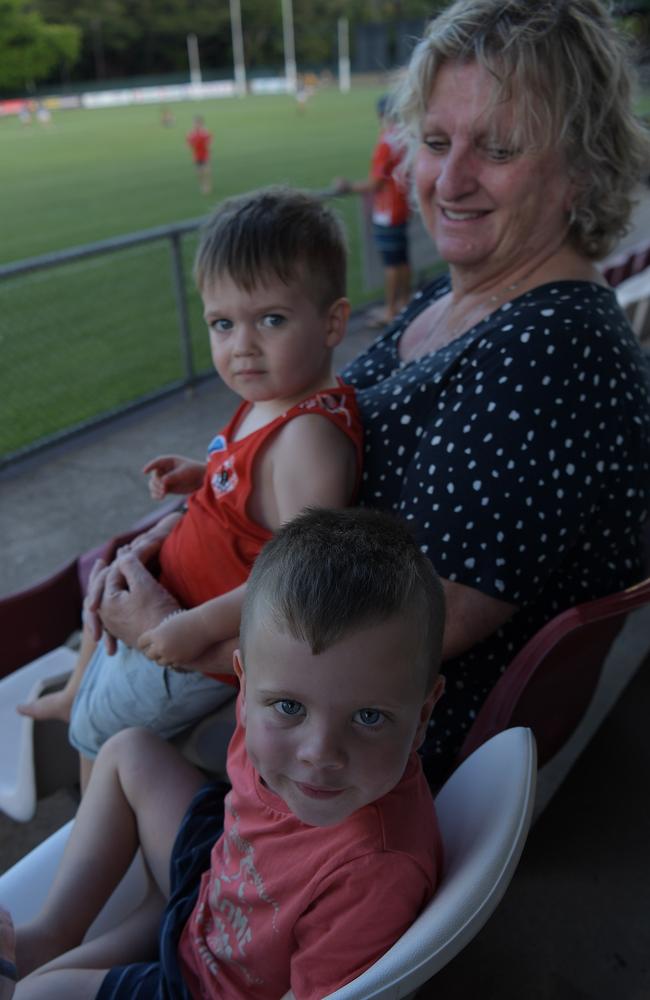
x,y
308,429
309,462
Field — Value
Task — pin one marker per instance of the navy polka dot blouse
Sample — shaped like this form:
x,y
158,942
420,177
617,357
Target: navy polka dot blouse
x,y
520,453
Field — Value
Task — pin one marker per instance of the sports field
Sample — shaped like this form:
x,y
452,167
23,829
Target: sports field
x,y
90,336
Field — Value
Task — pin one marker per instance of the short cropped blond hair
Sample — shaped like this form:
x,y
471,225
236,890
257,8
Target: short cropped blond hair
x,y
327,573
569,73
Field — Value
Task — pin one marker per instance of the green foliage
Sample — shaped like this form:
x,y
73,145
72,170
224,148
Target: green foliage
x,y
29,47
135,37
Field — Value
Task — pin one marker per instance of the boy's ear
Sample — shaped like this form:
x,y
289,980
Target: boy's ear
x,y
337,321
238,667
427,708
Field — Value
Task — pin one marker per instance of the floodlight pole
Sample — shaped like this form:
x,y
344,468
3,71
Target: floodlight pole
x,y
238,47
290,70
344,54
193,56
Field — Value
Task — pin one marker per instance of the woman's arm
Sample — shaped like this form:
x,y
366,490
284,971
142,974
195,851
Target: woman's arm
x,y
470,617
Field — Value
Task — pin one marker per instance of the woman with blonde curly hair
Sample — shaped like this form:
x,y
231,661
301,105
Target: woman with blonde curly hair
x,y
507,410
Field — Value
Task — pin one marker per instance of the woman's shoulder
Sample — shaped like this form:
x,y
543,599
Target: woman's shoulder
x,y
581,309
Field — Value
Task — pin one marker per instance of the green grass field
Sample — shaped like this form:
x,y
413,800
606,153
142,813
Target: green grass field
x,y
90,336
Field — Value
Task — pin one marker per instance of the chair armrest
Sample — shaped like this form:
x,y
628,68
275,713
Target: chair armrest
x,y
18,789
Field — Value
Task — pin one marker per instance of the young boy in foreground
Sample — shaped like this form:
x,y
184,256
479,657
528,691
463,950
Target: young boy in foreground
x,y
271,270
330,846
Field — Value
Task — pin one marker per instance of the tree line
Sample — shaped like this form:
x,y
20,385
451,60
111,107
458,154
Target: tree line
x,y
66,41
63,41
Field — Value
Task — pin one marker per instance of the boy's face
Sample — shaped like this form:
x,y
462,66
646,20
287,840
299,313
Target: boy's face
x,y
332,732
273,343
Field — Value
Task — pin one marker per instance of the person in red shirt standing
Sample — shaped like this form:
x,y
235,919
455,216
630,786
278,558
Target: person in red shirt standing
x,y
390,211
199,140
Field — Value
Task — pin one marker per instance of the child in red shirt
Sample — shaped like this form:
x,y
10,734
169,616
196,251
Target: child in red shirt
x,y
271,269
330,846
199,140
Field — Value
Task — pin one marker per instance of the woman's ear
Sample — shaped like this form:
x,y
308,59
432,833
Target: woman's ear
x,y
337,321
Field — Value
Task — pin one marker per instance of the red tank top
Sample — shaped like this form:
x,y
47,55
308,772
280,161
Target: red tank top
x,y
212,548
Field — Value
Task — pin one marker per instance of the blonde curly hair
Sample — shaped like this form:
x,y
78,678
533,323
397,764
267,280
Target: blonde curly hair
x,y
569,73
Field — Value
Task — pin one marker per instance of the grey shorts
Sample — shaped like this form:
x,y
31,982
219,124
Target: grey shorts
x,y
128,689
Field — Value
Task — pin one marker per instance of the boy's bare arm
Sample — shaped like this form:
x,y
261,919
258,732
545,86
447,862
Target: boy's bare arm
x,y
313,464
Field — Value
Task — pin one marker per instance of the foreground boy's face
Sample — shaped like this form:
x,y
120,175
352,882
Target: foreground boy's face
x,y
331,733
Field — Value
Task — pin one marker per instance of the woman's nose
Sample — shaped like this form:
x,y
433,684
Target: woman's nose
x,y
457,176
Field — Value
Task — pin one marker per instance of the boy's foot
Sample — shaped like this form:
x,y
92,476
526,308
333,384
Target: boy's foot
x,y
7,956
56,705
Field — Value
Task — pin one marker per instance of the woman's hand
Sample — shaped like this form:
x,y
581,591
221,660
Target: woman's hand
x,y
173,474
132,601
148,544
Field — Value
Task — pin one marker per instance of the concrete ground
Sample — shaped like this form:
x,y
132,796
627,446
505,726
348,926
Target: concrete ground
x,y
575,922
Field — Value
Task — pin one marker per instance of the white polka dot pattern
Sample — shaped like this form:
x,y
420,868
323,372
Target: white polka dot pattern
x,y
520,452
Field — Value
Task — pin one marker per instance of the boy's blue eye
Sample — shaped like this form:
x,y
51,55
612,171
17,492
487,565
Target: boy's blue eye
x,y
369,716
221,325
273,319
288,707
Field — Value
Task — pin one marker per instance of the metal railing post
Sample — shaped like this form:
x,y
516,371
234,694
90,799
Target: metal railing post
x,y
180,295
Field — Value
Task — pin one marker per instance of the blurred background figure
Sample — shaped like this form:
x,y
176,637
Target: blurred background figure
x,y
43,115
166,116
199,140
390,211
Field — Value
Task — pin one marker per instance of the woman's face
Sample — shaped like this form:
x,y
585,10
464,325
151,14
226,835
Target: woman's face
x,y
490,208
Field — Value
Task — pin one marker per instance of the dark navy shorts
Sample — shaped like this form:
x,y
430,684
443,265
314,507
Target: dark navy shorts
x,y
392,244
201,827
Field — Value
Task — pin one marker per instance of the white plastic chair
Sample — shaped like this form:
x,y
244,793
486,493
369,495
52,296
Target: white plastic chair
x,y
18,780
633,296
484,811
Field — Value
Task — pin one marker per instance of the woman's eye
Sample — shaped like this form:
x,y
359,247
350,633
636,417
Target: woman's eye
x,y
288,707
273,319
369,716
499,153
220,325
436,143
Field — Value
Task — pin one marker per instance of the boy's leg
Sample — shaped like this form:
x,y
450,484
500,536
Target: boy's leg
x,y
140,790
390,291
57,705
127,689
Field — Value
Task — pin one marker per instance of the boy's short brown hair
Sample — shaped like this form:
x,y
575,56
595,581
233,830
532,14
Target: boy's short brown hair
x,y
275,232
328,572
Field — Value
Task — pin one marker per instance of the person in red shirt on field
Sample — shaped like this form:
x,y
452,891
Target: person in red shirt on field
x,y
390,211
199,140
